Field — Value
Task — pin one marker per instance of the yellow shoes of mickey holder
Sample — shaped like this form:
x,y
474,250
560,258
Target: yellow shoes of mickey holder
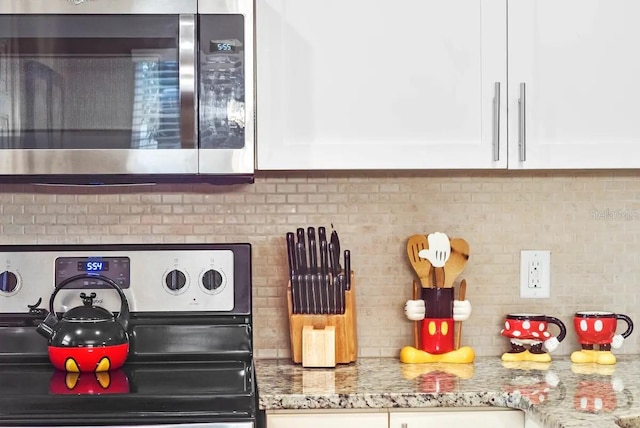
x,y
411,355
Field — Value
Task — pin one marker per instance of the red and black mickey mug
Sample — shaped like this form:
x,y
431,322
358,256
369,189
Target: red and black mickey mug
x,y
599,327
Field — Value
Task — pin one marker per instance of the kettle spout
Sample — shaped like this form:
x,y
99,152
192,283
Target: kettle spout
x,y
46,327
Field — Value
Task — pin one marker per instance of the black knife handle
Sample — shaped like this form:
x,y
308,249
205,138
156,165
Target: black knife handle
x,y
324,258
322,233
336,298
313,292
341,295
295,308
291,253
301,258
335,240
304,295
347,269
313,250
301,241
335,266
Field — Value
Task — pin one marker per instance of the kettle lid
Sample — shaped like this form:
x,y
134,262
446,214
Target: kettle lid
x,y
85,313
88,312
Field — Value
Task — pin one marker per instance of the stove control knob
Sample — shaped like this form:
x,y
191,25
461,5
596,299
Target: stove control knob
x,y
175,280
212,280
8,282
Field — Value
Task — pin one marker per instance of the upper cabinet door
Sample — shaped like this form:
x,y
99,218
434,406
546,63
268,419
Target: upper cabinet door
x,y
403,84
573,67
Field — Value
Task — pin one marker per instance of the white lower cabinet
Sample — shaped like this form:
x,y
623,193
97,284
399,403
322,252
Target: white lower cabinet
x,y
458,418
328,419
398,418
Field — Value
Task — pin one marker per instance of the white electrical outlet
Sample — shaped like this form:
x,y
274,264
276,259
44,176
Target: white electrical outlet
x,y
535,274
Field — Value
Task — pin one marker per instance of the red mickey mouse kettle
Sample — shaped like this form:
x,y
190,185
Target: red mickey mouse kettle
x,y
87,338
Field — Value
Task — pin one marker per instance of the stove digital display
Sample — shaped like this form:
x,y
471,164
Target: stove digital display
x,y
93,266
91,269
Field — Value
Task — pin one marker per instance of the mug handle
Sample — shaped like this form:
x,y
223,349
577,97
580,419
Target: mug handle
x,y
629,324
560,324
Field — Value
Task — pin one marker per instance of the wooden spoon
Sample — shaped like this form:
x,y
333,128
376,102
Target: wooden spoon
x,y
420,266
456,262
461,296
416,324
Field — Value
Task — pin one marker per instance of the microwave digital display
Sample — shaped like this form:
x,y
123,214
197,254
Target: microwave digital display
x,y
222,47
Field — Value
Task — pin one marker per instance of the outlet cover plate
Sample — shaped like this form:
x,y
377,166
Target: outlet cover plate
x,y
535,274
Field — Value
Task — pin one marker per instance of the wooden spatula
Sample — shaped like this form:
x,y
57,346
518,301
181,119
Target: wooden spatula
x,y
420,266
416,324
456,262
461,296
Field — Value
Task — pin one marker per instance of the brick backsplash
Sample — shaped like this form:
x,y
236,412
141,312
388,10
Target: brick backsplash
x,y
589,220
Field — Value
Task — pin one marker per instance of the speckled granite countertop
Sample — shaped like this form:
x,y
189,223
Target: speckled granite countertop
x,y
559,394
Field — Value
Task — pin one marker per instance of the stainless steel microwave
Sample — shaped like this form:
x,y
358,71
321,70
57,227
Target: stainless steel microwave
x,y
114,90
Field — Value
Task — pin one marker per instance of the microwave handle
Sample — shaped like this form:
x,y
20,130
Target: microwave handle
x,y
187,85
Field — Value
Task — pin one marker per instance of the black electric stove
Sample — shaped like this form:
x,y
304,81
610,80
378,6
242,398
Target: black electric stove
x,y
190,361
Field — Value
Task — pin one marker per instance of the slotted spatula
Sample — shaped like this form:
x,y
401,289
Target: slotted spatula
x,y
420,266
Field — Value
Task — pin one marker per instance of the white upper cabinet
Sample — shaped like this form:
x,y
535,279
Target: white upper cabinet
x,y
414,84
577,63
361,84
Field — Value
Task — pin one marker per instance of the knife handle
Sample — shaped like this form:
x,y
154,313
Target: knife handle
x,y
313,292
342,297
331,295
324,258
304,295
347,268
335,266
336,247
301,258
294,294
322,234
301,241
291,252
313,252
327,293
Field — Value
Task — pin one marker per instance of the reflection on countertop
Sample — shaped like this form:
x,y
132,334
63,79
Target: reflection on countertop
x,y
556,394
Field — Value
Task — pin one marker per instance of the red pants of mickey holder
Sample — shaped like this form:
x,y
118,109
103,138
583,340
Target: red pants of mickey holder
x,y
437,335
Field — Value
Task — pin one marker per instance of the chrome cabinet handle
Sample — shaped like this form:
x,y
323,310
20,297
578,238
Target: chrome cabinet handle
x,y
522,123
496,122
187,70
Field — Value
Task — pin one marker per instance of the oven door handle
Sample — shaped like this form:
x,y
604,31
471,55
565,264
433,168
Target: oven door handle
x,y
187,73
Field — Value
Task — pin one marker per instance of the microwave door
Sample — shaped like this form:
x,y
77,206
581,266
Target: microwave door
x,y
42,105
98,94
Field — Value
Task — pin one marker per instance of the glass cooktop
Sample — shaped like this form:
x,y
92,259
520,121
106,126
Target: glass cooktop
x,y
154,392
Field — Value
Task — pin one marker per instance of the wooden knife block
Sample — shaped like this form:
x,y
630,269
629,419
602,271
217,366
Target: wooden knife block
x,y
346,342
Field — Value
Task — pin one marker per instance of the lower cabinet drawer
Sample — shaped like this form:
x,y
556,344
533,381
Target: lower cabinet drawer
x,y
327,419
458,418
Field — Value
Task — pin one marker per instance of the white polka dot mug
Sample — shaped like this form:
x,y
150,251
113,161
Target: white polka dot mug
x,y
531,328
599,328
529,337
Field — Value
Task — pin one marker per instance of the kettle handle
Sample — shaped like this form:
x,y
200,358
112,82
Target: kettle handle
x,y
123,315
